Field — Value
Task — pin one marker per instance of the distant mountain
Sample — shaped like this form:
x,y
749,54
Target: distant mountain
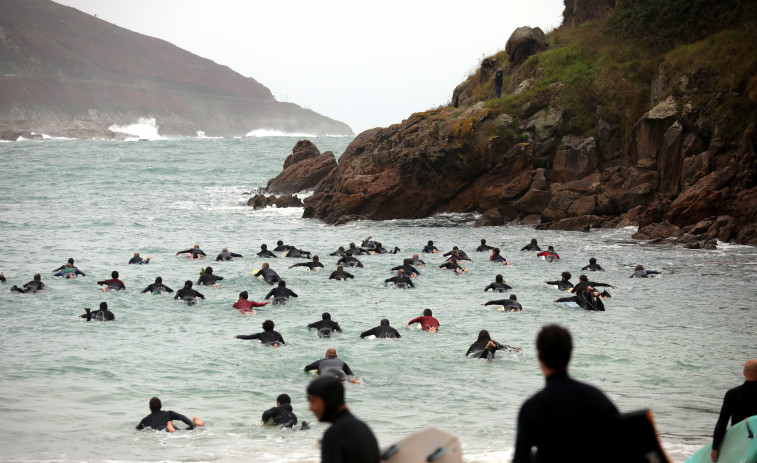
x,y
65,72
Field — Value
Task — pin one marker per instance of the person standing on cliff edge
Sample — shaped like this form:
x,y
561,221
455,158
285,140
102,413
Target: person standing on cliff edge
x,y
498,83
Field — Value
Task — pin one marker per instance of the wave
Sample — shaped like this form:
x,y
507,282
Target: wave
x,y
146,128
276,133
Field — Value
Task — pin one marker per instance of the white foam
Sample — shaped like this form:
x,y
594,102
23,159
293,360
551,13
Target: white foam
x,y
276,133
146,128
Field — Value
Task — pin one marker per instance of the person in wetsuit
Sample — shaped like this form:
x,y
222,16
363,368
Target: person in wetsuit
x,y
382,331
69,271
368,243
268,336
380,249
739,403
510,305
460,254
114,284
348,439
408,268
549,255
157,287
226,255
2,277
195,252
136,259
340,274
207,278
348,260
325,326
339,252
70,261
564,283
332,366
160,420
452,263
641,272
498,258
593,266
484,247
294,252
33,286
400,281
356,250
265,253
583,283
245,305
187,294
429,248
314,265
563,400
103,315
532,246
281,293
588,299
280,246
269,275
427,321
499,285
281,415
485,347
416,261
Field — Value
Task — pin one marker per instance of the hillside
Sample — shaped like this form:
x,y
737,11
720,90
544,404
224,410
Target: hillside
x,y
68,73
631,113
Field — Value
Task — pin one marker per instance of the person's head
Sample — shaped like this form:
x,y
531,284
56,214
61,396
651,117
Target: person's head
x,y
136,254
282,284
430,243
406,262
188,284
483,337
326,397
455,248
243,295
265,265
400,272
224,249
331,352
263,247
283,399
592,261
583,278
155,404
279,243
427,312
315,258
37,277
114,274
533,241
566,276
750,370
340,267
639,267
71,260
495,251
415,256
348,254
326,316
483,241
499,279
513,297
341,248
103,306
158,280
268,325
554,346
352,245
455,253
197,246
385,322
209,270
550,248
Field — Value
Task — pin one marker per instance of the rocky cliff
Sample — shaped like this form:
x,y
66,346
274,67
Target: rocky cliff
x,y
64,72
595,130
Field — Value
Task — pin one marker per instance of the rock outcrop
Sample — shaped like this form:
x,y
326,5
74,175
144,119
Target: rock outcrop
x,y
303,169
524,42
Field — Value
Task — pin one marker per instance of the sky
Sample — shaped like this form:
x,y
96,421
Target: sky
x,y
366,63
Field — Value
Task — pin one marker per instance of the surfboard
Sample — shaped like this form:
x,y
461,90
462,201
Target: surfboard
x,y
430,444
259,277
572,305
739,445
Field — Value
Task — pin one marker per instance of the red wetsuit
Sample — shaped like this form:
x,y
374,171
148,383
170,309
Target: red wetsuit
x,y
426,322
245,305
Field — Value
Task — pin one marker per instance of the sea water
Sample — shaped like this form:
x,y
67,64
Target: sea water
x,y
73,391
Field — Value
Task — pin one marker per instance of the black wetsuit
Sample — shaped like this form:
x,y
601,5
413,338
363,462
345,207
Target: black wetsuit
x,y
208,279
151,288
2,278
409,269
355,251
135,260
330,365
582,285
562,285
269,275
188,294
159,420
268,338
29,287
461,255
194,251
338,252
586,301
498,287
280,293
294,252
103,315
348,440
64,273
325,325
417,262
281,248
484,248
510,304
429,249
309,265
739,403
530,247
226,255
451,265
594,268
480,351
400,281
563,400
340,274
280,416
644,273
349,261
267,253
381,331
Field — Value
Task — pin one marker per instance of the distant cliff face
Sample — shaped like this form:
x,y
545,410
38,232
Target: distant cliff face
x,y
577,12
61,69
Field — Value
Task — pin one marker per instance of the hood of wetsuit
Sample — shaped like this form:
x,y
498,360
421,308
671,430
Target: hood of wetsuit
x,y
209,270
158,280
326,316
331,390
385,322
103,306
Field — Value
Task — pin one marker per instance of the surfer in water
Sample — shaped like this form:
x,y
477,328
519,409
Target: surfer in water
x,y
269,275
268,336
226,255
280,246
484,247
583,283
549,255
641,272
532,246
588,299
245,305
417,261
356,251
70,261
339,252
157,287
408,268
452,263
460,254
294,252
207,278
136,259
485,347
382,331
401,281
499,285
593,266
510,305
160,420
281,415
2,277
325,326
340,274
265,253
314,265
281,293
33,286
114,284
103,315
332,366
739,403
564,283
427,321
193,253
430,248
187,294
498,258
348,260
69,271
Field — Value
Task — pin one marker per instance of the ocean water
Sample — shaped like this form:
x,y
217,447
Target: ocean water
x,y
73,391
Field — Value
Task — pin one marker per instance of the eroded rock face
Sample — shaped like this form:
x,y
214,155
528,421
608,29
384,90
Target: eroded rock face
x,y
524,42
303,169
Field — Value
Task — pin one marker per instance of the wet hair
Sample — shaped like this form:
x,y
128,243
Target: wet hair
x,y
639,267
483,337
340,267
279,242
406,262
533,240
158,279
583,278
385,321
155,404
483,241
592,261
37,277
550,248
348,253
513,297
326,316
283,399
265,265
455,248
341,248
188,284
263,247
566,276
268,325
427,312
352,245
71,260
430,243
495,251
282,283
315,258
499,279
554,345
114,274
209,270
400,272
243,295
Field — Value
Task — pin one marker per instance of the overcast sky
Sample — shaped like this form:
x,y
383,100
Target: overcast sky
x,y
369,64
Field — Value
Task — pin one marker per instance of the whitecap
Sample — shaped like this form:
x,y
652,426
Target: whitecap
x,y
146,128
276,133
